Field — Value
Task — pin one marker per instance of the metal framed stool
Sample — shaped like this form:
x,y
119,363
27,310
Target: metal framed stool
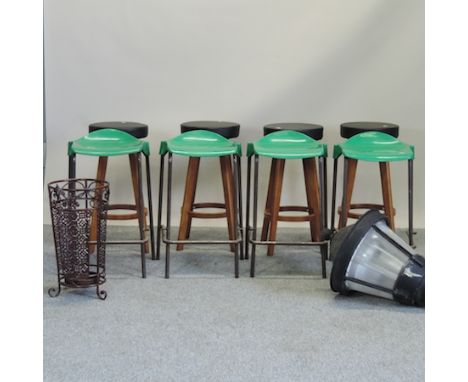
x,y
190,209
281,146
105,143
372,146
138,130
198,144
313,131
349,130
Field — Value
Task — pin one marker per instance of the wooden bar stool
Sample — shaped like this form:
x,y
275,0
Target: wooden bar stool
x,y
138,130
280,146
277,168
348,130
105,143
197,144
372,146
190,209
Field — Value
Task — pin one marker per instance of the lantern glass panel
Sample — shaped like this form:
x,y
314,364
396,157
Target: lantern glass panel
x,y
377,261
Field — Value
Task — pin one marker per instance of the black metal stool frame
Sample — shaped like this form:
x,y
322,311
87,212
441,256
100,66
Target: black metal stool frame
x,y
251,232
164,232
345,181
141,215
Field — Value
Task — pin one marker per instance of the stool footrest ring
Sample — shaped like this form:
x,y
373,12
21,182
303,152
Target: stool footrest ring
x,y
110,242
208,215
274,242
298,243
293,218
166,241
128,216
357,206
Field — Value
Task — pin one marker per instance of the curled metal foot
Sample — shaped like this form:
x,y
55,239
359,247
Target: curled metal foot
x,y
54,292
102,294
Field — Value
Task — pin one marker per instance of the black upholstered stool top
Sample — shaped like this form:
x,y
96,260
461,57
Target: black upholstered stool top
x,y
226,129
313,131
349,129
138,130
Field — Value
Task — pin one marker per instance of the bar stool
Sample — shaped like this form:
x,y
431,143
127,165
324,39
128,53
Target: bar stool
x,y
283,145
138,130
202,144
105,143
190,209
312,130
348,130
372,146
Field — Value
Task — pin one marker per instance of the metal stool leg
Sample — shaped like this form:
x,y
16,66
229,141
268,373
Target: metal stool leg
x,y
254,233
150,206
323,198
247,211
410,202
136,174
313,195
333,211
229,196
323,195
160,199
168,216
235,202
238,178
325,192
141,212
71,165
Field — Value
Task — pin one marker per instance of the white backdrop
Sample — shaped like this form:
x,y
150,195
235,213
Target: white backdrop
x,y
249,61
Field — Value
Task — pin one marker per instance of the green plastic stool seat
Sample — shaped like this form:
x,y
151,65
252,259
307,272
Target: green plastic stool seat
x,y
287,144
374,146
200,143
108,142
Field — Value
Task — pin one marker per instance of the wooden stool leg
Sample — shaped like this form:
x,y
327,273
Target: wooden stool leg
x,y
348,184
134,170
189,195
229,195
386,181
267,213
275,204
313,196
101,175
194,180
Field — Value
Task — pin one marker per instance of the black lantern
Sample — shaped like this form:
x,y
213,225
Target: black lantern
x,y
369,257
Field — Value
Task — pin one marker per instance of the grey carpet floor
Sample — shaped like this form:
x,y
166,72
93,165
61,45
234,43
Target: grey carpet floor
x,y
204,325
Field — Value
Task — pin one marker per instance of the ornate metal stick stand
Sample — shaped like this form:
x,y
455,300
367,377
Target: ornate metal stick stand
x,y
74,203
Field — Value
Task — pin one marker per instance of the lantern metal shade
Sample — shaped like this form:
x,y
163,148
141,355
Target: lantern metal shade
x,y
370,258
